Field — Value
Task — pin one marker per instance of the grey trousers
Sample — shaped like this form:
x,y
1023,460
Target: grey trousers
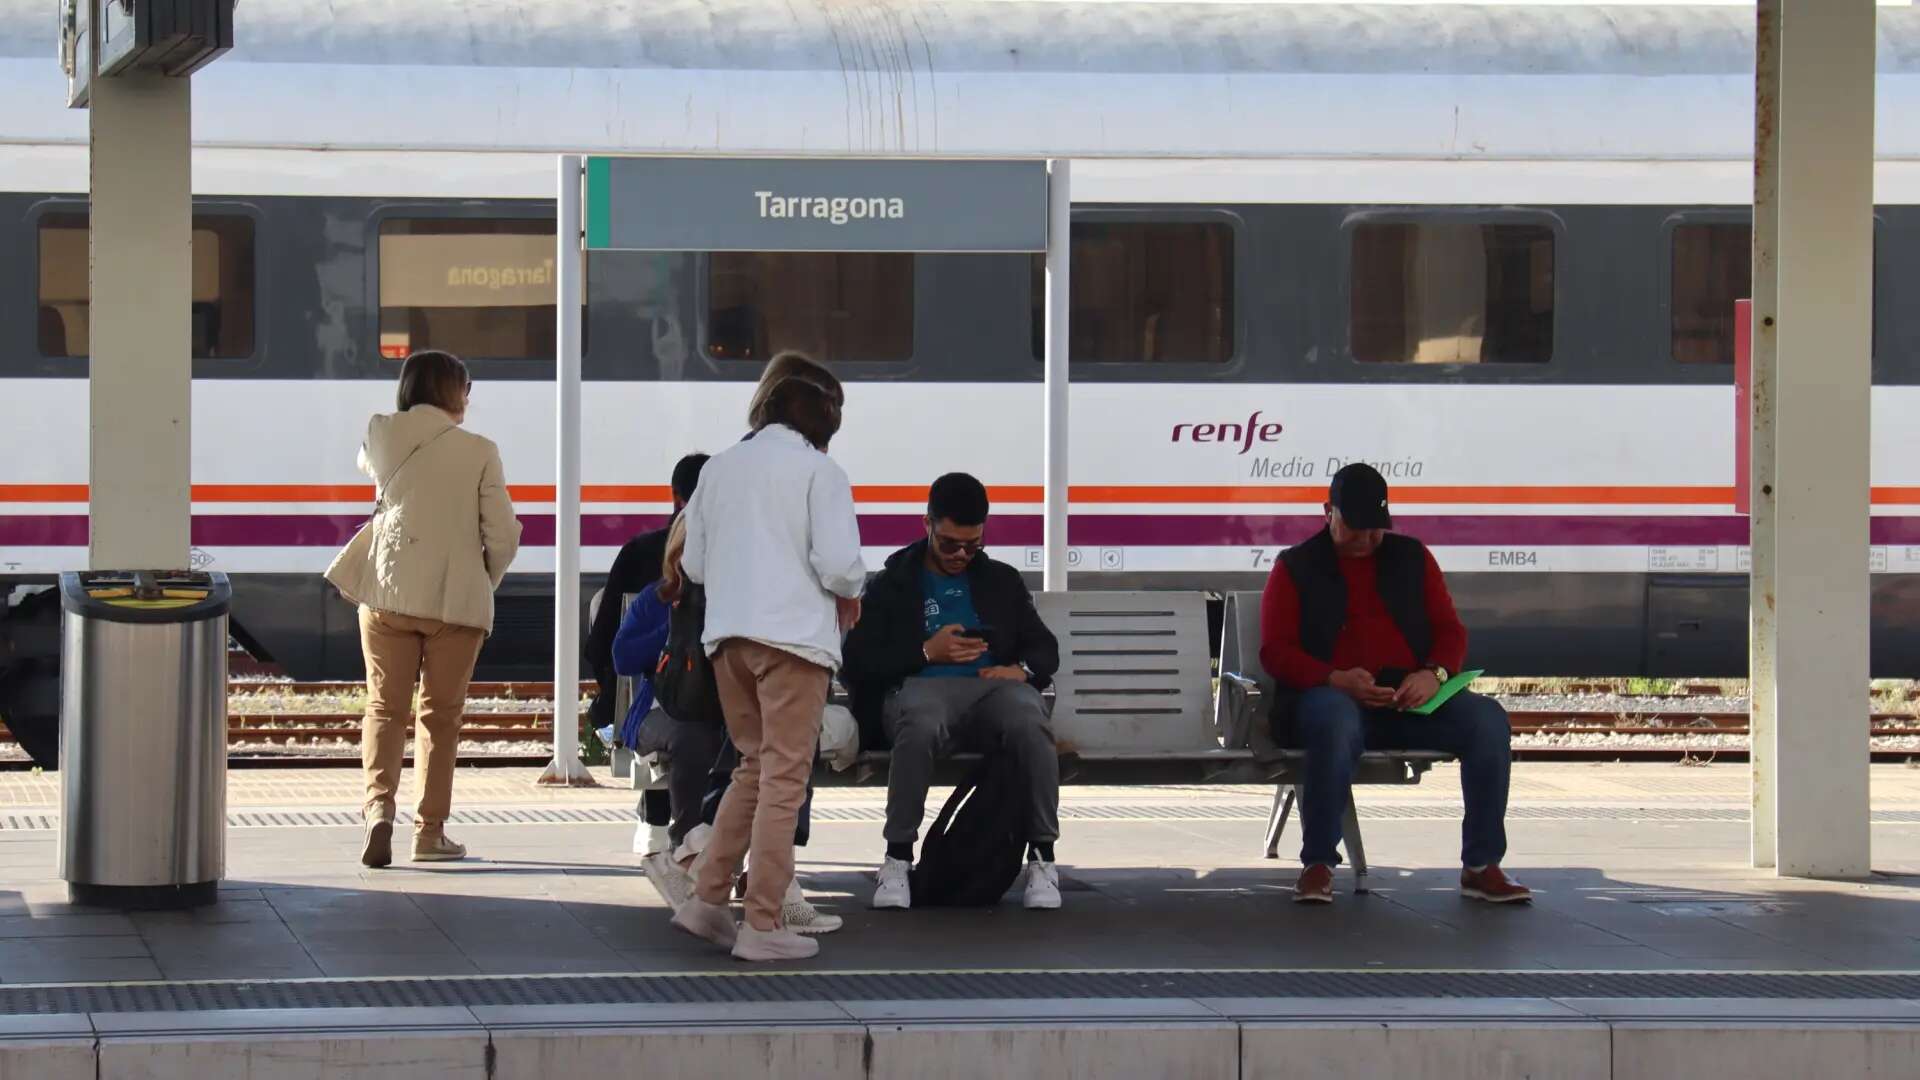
x,y
927,718
690,756
691,751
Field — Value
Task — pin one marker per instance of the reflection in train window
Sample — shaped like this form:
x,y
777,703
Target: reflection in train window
x,y
835,307
1452,293
223,286
1712,268
1145,293
476,287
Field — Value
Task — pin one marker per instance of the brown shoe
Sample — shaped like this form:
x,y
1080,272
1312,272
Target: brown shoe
x,y
437,847
1493,886
1315,885
378,850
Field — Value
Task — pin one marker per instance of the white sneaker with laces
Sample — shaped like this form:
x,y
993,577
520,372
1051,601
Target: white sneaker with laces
x,y
801,917
672,882
1043,886
895,891
709,922
780,944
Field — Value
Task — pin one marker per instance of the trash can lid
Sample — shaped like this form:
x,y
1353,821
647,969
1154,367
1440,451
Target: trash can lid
x,y
142,596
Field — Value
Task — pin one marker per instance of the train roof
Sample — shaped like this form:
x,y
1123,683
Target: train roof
x,y
975,77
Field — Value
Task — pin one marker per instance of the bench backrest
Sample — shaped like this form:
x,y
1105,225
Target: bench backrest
x,y
1240,641
1135,673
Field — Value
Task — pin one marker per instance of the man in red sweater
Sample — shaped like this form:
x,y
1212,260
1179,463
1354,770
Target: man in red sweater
x,y
1356,627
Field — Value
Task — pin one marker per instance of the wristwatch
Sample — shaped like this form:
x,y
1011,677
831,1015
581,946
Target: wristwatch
x,y
1439,672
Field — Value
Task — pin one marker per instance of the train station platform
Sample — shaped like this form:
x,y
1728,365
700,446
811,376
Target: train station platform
x,y
1651,949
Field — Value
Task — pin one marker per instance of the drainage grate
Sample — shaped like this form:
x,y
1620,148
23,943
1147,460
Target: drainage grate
x,y
721,990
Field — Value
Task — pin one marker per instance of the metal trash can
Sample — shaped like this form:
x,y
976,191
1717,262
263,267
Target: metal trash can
x,y
143,728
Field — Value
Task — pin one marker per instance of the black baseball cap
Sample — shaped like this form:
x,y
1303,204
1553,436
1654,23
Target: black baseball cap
x,y
1359,492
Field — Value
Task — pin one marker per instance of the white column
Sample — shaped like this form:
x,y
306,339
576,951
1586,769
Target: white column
x,y
1818,583
565,768
1059,293
1762,714
140,329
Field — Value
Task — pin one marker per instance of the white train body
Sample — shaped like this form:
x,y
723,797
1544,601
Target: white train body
x,y
1594,486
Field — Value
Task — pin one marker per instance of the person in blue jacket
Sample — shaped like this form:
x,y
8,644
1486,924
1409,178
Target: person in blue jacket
x,y
691,748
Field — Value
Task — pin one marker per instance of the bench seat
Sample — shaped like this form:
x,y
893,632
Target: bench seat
x,y
1136,703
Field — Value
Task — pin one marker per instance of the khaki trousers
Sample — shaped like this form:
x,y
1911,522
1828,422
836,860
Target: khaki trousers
x,y
773,701
403,651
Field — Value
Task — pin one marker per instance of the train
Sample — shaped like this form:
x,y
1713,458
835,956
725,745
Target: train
x,y
1493,250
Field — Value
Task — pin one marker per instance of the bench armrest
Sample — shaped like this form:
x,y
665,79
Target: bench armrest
x,y
1236,704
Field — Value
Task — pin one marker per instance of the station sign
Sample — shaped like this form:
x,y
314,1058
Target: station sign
x,y
815,204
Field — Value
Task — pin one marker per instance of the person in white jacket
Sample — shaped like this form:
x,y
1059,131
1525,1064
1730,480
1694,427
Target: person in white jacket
x,y
423,572
772,536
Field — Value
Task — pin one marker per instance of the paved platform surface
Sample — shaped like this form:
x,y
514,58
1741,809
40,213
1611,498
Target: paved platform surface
x,y
1636,868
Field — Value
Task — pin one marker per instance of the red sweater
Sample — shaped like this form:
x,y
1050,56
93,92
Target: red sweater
x,y
1369,639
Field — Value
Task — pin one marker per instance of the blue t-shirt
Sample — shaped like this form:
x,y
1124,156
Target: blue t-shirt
x,y
949,600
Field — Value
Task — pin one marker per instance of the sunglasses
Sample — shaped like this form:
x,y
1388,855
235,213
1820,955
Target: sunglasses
x,y
950,546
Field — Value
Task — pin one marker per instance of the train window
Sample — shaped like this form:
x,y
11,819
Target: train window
x,y
832,306
1452,293
477,287
1712,268
223,286
1145,293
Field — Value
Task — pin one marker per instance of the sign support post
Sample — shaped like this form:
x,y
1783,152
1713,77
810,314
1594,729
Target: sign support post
x,y
693,204
566,768
1059,308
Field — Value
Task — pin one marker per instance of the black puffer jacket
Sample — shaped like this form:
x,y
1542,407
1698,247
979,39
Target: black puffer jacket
x,y
886,648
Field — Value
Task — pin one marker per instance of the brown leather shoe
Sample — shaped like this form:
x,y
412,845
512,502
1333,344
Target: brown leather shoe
x,y
1493,886
1315,885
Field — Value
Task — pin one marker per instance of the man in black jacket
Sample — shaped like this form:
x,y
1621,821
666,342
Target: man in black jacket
x,y
636,567
949,649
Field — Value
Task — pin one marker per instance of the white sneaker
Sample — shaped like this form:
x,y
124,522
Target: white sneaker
x,y
695,842
709,922
895,891
780,944
801,917
673,884
1043,886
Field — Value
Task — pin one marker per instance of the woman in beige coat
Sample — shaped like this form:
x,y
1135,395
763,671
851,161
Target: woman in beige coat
x,y
423,572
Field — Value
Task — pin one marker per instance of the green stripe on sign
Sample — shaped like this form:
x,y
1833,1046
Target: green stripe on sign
x,y
599,202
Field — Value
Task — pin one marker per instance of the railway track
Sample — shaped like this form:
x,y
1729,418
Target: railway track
x,y
273,734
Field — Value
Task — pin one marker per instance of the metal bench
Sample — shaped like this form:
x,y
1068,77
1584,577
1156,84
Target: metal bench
x,y
1241,716
1132,702
1135,703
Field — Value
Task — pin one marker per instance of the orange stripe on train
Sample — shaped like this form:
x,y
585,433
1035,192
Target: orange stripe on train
x,y
1083,494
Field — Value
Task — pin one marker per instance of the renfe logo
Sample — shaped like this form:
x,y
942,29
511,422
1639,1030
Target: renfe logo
x,y
1245,435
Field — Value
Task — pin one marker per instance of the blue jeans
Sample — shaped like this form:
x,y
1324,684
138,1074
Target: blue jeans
x,y
1334,730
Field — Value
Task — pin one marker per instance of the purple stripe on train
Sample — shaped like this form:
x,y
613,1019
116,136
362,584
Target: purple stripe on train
x,y
1017,530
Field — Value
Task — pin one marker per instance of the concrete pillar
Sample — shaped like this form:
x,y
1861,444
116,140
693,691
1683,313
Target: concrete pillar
x,y
1811,604
1762,712
140,323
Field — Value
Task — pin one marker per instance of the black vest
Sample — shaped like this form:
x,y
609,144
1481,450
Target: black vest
x,y
1400,564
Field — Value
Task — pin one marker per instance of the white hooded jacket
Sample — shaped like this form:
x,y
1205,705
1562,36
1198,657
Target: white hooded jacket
x,y
444,532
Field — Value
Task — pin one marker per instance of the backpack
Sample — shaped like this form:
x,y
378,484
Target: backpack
x,y
684,685
977,845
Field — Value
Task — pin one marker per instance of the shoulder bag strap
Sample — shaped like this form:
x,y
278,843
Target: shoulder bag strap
x,y
380,493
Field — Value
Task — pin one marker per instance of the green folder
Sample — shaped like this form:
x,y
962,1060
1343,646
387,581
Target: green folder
x,y
1447,690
